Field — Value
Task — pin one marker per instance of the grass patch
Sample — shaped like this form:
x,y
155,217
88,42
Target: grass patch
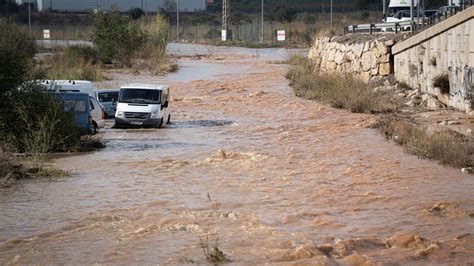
x,y
13,169
212,251
89,143
340,91
73,62
447,146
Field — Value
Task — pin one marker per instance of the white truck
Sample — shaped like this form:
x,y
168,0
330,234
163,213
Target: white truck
x,y
400,11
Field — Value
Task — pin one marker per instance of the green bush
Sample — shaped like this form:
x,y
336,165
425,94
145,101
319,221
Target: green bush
x,y
17,50
35,122
117,38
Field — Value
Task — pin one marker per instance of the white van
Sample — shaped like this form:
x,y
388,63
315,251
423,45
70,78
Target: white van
x,y
97,113
142,106
83,86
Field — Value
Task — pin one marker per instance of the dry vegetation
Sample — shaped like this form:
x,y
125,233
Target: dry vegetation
x,y
344,91
73,62
447,146
340,91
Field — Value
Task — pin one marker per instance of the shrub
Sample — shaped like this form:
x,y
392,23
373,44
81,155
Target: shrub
x,y
73,62
213,34
17,50
441,81
340,91
448,147
136,44
35,124
117,38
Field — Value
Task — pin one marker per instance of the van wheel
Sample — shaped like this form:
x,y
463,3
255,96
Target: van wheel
x,y
94,127
169,119
161,123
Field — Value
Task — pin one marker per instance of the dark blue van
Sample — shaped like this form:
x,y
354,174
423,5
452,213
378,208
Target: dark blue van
x,y
80,105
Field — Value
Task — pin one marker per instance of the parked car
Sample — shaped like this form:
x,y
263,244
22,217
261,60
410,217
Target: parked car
x,y
108,99
79,103
447,9
142,106
97,112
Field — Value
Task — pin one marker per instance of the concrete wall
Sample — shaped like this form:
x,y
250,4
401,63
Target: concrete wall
x,y
123,5
364,56
446,48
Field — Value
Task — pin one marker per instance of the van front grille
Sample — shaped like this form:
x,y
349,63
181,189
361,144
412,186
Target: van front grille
x,y
133,115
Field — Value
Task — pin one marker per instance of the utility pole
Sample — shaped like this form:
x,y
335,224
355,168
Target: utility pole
x,y
225,11
262,24
29,17
384,11
331,14
177,20
411,16
100,5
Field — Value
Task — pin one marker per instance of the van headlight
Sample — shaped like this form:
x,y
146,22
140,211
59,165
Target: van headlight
x,y
154,115
119,114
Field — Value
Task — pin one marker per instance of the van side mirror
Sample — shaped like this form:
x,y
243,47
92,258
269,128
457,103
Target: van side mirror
x,y
165,105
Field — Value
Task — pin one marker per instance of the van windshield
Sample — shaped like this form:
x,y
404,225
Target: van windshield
x,y
141,96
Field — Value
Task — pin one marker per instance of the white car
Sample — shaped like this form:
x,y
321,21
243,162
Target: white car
x,y
143,106
97,113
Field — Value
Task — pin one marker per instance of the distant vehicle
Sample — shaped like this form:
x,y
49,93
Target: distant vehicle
x,y
400,5
97,112
108,99
79,103
83,86
447,9
142,106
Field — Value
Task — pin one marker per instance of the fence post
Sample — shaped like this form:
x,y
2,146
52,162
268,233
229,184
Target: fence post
x,y
396,27
370,29
353,28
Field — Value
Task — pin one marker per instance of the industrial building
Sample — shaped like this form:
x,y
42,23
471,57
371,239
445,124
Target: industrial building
x,y
123,5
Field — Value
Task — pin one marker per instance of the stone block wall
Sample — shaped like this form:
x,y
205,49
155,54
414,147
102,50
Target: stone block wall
x,y
364,56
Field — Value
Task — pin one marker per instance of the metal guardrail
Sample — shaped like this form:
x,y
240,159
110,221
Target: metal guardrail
x,y
379,27
417,24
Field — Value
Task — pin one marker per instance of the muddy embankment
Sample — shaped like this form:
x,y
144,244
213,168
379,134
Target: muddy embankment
x,y
294,181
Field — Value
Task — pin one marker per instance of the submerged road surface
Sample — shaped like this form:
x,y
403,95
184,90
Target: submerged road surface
x,y
246,166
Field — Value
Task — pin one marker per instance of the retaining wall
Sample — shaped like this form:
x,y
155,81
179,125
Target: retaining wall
x,y
364,56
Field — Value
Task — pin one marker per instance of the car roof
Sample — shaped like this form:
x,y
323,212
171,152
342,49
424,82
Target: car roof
x,y
145,87
107,90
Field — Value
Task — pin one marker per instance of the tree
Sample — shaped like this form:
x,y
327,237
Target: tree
x,y
285,14
17,50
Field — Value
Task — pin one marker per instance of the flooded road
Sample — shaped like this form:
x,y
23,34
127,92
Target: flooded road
x,y
289,181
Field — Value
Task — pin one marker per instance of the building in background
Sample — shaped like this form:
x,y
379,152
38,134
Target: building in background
x,y
122,5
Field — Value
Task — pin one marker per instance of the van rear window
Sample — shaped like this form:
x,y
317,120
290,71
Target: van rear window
x,y
77,106
108,96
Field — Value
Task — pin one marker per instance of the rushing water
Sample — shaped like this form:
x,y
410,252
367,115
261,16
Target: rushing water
x,y
290,180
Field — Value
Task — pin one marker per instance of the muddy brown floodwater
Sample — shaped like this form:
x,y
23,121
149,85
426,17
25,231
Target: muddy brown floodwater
x,y
294,181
